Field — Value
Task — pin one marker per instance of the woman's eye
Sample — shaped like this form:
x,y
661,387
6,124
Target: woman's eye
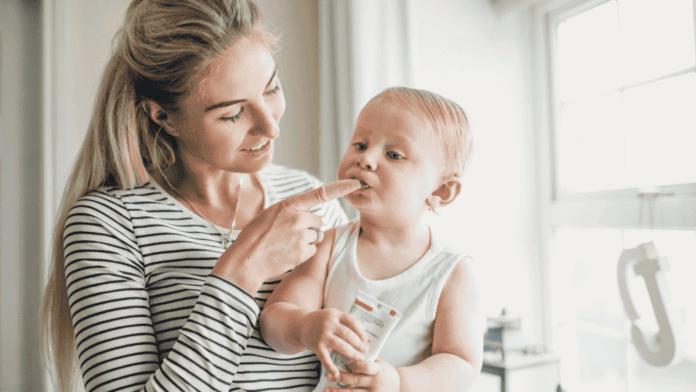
x,y
235,117
393,155
273,90
360,146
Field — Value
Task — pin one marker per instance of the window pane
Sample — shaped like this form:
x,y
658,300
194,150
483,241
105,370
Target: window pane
x,y
657,38
589,317
646,138
591,327
646,378
588,53
661,132
590,145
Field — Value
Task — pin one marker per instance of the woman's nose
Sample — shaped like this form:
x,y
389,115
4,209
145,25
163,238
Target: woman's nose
x,y
265,123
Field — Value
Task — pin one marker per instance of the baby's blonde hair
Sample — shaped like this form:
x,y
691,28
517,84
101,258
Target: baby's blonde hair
x,y
446,117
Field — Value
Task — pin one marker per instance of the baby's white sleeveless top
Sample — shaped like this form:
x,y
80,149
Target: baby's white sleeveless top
x,y
415,293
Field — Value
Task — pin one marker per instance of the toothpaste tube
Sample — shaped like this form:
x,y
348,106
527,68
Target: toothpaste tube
x,y
378,318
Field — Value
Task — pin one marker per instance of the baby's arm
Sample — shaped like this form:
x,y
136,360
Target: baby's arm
x,y
293,320
457,345
457,338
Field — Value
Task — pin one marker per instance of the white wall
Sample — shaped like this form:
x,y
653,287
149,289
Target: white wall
x,y
80,47
468,52
20,195
296,22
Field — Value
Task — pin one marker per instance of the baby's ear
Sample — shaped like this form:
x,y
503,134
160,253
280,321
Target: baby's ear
x,y
159,116
445,194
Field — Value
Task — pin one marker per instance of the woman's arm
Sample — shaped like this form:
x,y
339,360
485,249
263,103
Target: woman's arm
x,y
106,280
110,309
457,345
278,239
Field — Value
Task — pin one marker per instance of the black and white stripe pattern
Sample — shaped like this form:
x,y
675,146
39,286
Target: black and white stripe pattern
x,y
147,314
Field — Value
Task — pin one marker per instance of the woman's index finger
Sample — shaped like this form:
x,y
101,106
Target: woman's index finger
x,y
328,192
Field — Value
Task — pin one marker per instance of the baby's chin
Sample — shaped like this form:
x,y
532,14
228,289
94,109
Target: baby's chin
x,y
358,200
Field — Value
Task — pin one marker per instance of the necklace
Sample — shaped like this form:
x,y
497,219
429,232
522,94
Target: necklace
x,y
226,239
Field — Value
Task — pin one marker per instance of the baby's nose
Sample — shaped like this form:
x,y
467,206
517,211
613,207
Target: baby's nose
x,y
366,162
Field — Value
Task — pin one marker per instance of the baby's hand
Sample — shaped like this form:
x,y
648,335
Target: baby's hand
x,y
377,376
327,330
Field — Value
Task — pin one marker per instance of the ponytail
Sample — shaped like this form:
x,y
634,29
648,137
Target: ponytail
x,y
109,156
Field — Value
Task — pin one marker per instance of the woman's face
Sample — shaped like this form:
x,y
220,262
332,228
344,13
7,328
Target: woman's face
x,y
231,117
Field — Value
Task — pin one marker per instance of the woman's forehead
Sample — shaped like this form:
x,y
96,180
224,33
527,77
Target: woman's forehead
x,y
242,69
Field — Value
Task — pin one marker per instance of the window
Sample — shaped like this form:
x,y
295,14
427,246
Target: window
x,y
620,118
626,93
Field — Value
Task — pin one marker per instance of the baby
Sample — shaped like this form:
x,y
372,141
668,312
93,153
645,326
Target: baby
x,y
408,150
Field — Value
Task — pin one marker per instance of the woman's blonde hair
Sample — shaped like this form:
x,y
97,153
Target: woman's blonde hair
x,y
161,51
446,117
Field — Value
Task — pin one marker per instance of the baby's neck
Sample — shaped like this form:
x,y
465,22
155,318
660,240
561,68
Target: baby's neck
x,y
385,251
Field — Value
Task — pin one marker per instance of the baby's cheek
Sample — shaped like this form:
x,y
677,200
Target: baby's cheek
x,y
415,192
342,166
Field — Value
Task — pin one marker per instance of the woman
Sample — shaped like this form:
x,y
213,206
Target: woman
x,y
174,218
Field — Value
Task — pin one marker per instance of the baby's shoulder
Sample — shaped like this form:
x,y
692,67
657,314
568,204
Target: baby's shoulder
x,y
447,249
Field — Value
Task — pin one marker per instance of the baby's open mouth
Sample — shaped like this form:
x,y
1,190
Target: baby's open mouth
x,y
363,184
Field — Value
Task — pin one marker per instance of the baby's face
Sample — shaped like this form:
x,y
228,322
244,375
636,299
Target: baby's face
x,y
395,153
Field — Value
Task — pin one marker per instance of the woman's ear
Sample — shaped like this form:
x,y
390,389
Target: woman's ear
x,y
159,116
445,194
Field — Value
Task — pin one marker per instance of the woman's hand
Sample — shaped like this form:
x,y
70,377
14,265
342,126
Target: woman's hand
x,y
377,376
278,239
327,330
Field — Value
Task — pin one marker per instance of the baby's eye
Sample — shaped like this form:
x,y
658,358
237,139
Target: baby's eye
x,y
360,146
393,155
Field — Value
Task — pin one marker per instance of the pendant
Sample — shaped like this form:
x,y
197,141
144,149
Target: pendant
x,y
226,241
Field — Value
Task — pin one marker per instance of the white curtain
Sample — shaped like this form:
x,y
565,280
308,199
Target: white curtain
x,y
364,47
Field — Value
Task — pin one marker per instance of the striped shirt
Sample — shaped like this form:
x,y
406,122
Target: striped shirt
x,y
147,313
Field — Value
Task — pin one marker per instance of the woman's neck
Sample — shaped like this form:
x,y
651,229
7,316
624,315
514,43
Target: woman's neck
x,y
204,184
214,194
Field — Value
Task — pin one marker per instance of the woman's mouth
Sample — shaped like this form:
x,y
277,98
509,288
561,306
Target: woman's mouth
x,y
263,146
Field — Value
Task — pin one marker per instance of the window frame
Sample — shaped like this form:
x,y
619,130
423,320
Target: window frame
x,y
627,208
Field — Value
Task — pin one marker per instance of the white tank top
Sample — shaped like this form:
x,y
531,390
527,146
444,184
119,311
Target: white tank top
x,y
415,293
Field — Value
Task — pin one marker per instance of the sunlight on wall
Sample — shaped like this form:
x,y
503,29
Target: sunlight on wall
x,y
469,53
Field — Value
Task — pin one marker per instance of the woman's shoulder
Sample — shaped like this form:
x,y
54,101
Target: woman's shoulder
x,y
285,182
114,200
282,182
277,172
144,192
